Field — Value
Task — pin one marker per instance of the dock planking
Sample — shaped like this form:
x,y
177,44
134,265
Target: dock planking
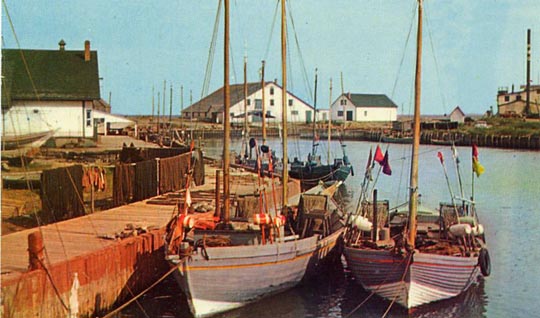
x,y
105,267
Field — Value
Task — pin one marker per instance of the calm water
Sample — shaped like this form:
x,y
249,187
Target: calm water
x,y
508,200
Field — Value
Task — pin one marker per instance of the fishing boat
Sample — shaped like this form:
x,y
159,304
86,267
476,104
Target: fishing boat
x,y
312,171
229,263
22,148
415,255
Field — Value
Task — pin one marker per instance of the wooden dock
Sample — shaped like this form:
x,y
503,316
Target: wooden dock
x,y
86,268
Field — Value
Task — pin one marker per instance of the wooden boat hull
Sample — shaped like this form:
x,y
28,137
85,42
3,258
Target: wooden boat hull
x,y
310,177
231,277
329,249
31,140
414,280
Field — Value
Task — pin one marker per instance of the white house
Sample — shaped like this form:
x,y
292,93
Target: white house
x,y
457,115
363,108
210,108
61,94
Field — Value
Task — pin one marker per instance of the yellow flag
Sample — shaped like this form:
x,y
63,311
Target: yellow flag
x,y
477,167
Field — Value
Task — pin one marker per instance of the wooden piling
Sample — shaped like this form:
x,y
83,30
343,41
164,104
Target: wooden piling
x,y
35,250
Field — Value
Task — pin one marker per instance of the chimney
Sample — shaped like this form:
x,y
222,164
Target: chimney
x,y
62,45
86,51
349,95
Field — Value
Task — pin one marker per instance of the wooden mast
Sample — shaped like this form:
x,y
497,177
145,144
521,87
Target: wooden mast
x,y
413,187
313,142
263,106
245,142
226,118
329,120
284,102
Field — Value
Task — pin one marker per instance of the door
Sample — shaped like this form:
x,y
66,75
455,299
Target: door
x,y
349,115
308,117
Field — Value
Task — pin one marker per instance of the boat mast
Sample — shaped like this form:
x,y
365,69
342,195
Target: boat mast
x,y
313,142
284,102
263,106
226,118
245,142
413,188
329,120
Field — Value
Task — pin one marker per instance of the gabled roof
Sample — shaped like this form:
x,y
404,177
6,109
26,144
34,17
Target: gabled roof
x,y
56,74
370,100
214,101
457,110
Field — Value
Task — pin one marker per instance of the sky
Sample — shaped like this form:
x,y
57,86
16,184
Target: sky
x,y
470,48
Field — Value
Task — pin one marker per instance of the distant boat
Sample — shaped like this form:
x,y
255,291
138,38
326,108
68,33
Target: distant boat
x,y
397,140
416,255
25,141
16,149
232,263
313,171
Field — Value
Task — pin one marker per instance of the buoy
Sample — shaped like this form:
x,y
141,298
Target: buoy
x,y
261,218
280,220
485,262
362,223
460,229
187,221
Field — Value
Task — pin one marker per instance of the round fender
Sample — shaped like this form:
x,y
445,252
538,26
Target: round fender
x,y
485,262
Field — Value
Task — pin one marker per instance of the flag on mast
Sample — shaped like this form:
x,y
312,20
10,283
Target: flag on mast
x,y
476,166
379,155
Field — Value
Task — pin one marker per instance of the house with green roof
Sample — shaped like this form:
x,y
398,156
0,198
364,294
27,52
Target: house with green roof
x,y
210,108
363,108
44,90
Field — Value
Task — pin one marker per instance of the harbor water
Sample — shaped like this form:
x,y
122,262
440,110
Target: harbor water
x,y
508,203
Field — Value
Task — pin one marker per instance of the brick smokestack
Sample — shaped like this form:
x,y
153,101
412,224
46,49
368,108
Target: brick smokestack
x,y
86,51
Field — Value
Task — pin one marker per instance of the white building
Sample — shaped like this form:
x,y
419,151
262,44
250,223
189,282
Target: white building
x,y
363,108
61,94
210,108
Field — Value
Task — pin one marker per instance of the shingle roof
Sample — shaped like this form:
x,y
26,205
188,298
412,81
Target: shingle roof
x,y
371,100
214,101
57,75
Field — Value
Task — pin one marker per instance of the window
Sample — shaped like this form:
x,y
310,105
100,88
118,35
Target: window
x,y
343,102
506,98
518,97
365,113
88,117
232,114
258,104
294,112
36,111
271,91
290,102
249,102
271,102
340,113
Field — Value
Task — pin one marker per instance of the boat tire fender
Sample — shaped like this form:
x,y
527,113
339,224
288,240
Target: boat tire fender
x,y
484,262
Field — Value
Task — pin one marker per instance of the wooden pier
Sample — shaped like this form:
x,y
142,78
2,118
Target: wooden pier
x,y
85,268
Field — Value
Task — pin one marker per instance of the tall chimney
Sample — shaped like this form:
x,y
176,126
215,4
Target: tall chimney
x,y
86,51
62,45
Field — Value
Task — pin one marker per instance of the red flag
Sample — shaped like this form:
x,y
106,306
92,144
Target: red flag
x,y
475,151
378,155
386,165
441,158
369,159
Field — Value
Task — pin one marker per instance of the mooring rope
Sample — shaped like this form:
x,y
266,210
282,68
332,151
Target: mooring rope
x,y
117,310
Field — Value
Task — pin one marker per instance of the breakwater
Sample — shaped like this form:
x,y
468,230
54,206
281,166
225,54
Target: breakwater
x,y
444,138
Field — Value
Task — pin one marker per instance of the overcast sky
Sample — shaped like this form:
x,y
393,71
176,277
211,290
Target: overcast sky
x,y
470,47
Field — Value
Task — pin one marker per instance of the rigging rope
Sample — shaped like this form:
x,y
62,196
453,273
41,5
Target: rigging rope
x,y
211,54
404,49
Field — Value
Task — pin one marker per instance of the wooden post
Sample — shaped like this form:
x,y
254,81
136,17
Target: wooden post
x,y
35,250
375,216
217,211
